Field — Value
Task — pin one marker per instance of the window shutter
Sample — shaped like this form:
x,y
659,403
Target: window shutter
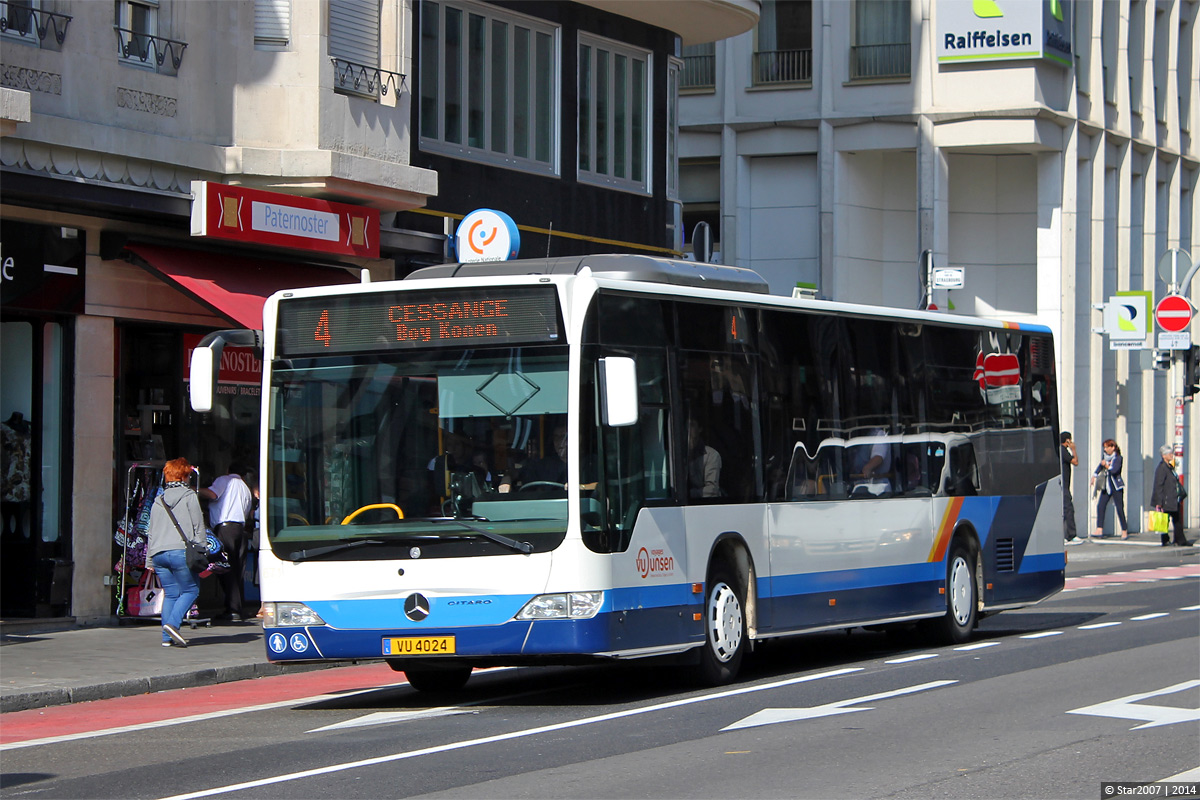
x,y
354,31
272,22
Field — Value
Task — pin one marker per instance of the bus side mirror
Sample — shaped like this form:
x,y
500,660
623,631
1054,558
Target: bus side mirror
x,y
618,394
200,380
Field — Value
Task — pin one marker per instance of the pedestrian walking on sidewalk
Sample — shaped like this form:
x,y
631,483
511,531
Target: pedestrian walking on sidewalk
x,y
1112,487
231,507
165,548
1168,494
1070,458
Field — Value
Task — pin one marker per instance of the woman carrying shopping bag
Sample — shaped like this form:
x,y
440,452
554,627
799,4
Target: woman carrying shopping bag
x,y
1107,479
1166,495
174,517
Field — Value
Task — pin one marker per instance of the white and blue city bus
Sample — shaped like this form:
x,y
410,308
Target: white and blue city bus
x,y
568,460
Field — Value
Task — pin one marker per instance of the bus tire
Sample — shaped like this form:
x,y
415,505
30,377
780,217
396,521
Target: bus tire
x,y
962,597
724,628
438,679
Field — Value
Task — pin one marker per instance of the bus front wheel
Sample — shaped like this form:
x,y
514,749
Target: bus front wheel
x,y
724,628
962,598
437,679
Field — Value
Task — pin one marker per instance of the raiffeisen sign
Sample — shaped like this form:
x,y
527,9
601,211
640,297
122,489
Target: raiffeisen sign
x,y
996,30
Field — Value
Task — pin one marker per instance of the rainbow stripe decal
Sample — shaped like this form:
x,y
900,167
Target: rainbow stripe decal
x,y
945,530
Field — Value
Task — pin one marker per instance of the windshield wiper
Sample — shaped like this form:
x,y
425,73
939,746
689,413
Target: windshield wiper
x,y
316,552
520,547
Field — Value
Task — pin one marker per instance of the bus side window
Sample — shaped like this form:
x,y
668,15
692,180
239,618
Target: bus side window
x,y
963,480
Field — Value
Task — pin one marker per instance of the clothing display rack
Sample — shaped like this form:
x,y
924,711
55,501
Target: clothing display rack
x,y
142,482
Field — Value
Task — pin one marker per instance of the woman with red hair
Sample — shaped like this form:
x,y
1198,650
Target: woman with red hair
x,y
165,547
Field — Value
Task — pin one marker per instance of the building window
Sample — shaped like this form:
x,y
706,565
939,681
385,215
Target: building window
x,y
1110,20
614,114
882,39
783,46
1137,58
699,66
272,24
674,67
137,24
700,191
489,86
354,41
20,19
1185,71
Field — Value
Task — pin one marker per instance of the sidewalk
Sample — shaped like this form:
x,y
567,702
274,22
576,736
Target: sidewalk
x,y
70,666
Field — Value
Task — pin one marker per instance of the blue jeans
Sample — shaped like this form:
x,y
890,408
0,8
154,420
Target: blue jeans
x,y
180,588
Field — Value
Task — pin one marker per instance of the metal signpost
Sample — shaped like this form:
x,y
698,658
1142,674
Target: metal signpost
x,y
1174,315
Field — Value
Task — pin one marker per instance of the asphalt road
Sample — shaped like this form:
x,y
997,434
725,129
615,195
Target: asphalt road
x,y
1100,683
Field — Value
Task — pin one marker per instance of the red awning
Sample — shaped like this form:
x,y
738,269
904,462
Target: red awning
x,y
233,286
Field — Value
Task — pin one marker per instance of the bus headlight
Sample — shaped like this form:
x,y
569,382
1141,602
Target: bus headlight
x,y
568,605
285,615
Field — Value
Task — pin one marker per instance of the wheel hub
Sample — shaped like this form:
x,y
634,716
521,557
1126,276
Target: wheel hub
x,y
725,622
960,591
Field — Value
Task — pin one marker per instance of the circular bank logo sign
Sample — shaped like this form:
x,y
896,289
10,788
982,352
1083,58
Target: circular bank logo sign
x,y
487,235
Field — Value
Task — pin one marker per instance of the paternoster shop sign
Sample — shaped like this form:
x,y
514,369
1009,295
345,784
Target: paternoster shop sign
x,y
283,220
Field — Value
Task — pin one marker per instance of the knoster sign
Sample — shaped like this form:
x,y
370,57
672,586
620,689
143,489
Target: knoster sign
x,y
283,220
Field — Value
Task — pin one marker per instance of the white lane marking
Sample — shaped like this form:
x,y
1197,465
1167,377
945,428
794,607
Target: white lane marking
x,y
907,659
1096,625
1042,635
1155,615
1129,707
978,646
388,717
558,726
1186,775
1190,608
771,716
163,723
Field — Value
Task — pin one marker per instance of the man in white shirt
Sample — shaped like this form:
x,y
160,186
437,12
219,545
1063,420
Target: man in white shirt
x,y
232,504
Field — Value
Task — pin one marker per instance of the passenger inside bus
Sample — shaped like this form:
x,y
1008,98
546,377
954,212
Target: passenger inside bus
x,y
704,465
873,467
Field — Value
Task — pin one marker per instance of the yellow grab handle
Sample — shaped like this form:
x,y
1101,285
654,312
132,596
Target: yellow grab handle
x,y
392,506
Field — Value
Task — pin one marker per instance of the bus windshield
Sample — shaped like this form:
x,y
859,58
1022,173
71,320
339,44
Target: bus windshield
x,y
374,456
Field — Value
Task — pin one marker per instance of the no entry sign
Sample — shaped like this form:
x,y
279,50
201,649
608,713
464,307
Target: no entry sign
x,y
1173,313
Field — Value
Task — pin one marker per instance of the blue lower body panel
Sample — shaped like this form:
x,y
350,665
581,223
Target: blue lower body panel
x,y
510,642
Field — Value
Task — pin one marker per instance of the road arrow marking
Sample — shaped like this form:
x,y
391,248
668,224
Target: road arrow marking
x,y
770,716
388,717
1155,716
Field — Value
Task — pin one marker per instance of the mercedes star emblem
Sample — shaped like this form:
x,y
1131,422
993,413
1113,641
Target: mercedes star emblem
x,y
416,607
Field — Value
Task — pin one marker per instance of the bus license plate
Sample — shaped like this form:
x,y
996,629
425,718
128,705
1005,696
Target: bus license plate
x,y
419,646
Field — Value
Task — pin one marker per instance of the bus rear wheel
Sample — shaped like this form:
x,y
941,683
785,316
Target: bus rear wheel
x,y
437,679
724,628
962,598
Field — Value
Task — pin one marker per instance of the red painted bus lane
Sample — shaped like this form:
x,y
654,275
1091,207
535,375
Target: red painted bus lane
x,y
180,704
1134,576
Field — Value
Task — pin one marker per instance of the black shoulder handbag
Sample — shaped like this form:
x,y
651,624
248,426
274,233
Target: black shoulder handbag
x,y
197,554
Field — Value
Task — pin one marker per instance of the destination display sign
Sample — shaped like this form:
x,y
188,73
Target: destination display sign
x,y
406,320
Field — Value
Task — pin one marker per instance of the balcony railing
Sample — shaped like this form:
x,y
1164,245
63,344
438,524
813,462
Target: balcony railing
x,y
699,72
782,66
362,79
880,61
149,50
26,21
